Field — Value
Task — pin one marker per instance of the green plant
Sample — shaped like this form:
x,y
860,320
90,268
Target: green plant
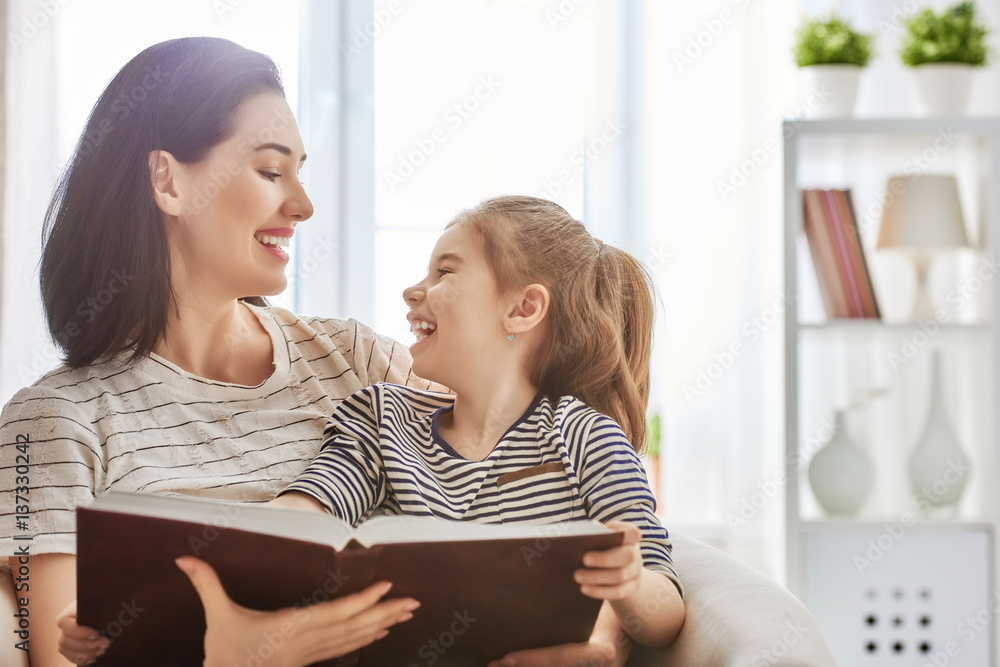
x,y
653,435
831,42
954,36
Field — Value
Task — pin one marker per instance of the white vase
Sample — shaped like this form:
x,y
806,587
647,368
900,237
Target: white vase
x,y
841,474
942,89
939,468
829,91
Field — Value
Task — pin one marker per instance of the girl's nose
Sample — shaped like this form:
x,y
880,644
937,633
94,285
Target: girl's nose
x,y
413,294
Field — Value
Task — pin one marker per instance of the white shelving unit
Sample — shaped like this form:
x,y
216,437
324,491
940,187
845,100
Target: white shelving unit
x,y
827,362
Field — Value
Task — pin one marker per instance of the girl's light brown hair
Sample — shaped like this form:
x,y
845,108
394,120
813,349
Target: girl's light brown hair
x,y
599,329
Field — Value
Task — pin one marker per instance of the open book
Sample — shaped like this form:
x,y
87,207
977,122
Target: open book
x,y
485,590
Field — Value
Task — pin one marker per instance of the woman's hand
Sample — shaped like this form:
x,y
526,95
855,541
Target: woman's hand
x,y
609,646
613,574
77,643
291,637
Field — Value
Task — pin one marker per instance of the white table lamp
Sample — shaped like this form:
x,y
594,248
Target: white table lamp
x,y
922,217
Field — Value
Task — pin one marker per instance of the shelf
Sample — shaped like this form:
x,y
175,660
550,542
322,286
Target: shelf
x,y
964,125
842,524
830,362
860,324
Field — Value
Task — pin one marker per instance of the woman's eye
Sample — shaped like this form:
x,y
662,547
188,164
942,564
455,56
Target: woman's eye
x,y
270,175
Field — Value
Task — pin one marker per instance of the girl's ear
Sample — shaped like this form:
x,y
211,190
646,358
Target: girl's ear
x,y
163,172
529,309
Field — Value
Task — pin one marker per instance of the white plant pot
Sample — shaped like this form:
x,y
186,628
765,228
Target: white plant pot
x,y
942,89
828,91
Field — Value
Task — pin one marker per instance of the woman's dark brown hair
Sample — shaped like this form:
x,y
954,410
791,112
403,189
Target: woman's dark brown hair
x,y
599,328
105,266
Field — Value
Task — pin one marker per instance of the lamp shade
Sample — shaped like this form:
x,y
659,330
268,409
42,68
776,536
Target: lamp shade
x,y
922,212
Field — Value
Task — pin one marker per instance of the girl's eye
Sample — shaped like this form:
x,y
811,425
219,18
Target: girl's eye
x,y
270,175
442,272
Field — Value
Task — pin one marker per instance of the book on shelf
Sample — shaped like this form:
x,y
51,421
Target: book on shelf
x,y
485,589
834,240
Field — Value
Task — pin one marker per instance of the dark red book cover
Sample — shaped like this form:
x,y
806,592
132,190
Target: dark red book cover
x,y
480,599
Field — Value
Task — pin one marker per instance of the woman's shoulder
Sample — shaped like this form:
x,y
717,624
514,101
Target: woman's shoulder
x,y
344,333
65,389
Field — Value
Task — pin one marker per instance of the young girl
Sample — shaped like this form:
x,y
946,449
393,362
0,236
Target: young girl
x,y
544,335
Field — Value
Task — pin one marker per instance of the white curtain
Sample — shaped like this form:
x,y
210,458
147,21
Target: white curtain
x,y
32,169
719,80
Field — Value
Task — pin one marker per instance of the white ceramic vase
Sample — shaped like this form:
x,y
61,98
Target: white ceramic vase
x,y
939,468
829,91
841,474
942,89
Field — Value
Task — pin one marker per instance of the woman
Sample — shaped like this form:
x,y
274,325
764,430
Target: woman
x,y
175,208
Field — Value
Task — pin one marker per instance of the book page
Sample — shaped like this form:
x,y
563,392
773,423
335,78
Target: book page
x,y
398,529
280,522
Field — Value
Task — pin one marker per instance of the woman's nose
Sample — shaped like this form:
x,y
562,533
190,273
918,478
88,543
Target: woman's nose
x,y
298,206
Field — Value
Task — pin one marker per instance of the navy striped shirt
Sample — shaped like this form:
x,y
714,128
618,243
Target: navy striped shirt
x,y
383,454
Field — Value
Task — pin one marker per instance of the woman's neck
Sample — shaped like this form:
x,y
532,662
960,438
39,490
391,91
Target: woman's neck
x,y
224,342
483,414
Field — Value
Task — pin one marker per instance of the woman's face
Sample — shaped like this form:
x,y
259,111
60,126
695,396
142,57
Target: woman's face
x,y
240,205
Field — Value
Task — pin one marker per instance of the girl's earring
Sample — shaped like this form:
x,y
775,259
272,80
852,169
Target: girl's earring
x,y
510,336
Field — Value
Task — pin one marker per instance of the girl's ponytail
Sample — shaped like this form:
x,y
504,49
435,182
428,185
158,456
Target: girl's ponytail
x,y
598,333
624,296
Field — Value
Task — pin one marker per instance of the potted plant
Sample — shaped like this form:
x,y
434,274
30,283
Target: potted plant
x,y
830,55
942,50
651,453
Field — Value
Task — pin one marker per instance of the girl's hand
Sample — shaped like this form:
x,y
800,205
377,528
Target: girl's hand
x,y
613,574
296,500
291,637
77,643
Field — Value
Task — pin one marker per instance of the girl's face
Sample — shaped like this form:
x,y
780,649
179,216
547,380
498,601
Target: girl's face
x,y
241,204
455,312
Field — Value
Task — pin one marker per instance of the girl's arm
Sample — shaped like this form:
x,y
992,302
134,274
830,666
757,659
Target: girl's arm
x,y
640,573
647,603
347,478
